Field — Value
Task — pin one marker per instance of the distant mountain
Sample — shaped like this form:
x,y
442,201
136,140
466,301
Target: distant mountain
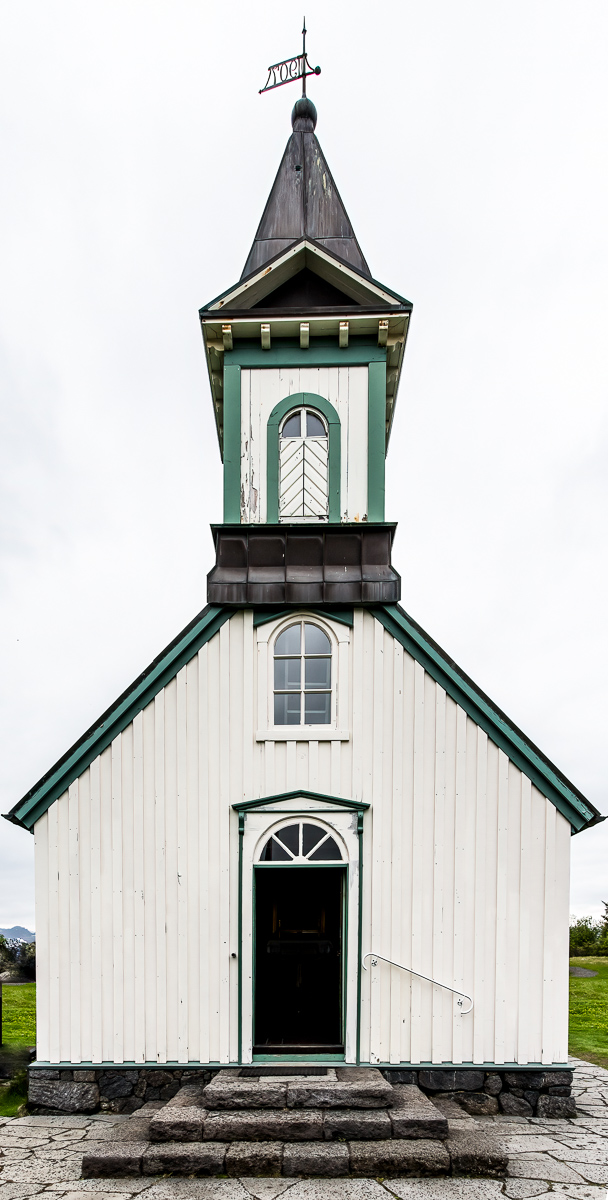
x,y
24,935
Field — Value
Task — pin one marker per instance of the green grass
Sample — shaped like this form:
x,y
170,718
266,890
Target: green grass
x,y
13,1094
18,1033
589,1012
19,1014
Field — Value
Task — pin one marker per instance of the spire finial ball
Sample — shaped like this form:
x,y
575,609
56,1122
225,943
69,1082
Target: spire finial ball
x,y
304,114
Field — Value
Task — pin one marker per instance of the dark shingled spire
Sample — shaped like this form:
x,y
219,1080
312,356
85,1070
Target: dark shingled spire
x,y
304,201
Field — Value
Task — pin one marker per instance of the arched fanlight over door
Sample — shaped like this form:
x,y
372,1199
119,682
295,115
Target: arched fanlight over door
x,y
303,467
301,842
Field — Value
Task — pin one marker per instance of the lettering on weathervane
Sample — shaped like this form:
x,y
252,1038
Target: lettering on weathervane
x,y
289,69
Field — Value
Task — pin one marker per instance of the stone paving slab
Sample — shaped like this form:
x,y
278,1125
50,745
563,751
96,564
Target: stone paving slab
x,y
446,1189
540,1166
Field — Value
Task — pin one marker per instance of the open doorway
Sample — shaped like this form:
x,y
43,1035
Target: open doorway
x,y
299,959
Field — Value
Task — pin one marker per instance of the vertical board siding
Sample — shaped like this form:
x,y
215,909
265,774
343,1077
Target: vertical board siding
x,y
346,388
465,869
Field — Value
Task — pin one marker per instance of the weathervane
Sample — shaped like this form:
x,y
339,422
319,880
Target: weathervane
x,y
290,69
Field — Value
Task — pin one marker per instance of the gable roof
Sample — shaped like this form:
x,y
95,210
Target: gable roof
x,y
545,776
116,718
549,780
304,201
359,289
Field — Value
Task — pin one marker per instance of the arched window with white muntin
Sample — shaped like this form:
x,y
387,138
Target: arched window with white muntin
x,y
301,842
302,675
303,466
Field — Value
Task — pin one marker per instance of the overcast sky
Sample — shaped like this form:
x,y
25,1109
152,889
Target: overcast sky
x,y
468,141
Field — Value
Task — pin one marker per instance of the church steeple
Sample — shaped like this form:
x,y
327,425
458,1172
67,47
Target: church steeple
x,y
304,201
304,356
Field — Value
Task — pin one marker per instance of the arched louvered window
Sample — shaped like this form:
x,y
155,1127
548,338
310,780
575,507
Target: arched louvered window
x,y
302,676
303,467
301,842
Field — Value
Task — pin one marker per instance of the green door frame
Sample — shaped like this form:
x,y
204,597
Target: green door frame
x,y
245,806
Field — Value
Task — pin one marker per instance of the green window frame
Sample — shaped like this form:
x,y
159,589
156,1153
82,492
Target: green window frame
x,y
327,410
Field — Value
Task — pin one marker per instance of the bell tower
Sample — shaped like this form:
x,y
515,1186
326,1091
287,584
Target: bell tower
x,y
304,356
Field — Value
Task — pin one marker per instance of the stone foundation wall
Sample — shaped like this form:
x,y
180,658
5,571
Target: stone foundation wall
x,y
518,1093
123,1090
114,1090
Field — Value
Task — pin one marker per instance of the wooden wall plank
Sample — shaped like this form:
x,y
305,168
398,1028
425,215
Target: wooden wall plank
x,y
74,922
43,935
128,892
139,883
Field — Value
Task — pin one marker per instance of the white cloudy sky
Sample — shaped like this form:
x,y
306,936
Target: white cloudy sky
x,y
468,140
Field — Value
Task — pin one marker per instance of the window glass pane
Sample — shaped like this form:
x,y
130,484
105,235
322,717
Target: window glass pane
x,y
290,837
287,673
291,427
311,834
314,426
272,852
315,641
289,641
317,708
328,852
287,709
318,671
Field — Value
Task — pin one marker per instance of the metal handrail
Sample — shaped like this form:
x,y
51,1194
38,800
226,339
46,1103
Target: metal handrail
x,y
380,957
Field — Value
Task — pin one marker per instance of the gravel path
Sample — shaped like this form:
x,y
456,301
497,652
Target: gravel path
x,y
43,1156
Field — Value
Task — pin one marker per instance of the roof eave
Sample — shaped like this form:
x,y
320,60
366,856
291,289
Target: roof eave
x,y
345,268
549,780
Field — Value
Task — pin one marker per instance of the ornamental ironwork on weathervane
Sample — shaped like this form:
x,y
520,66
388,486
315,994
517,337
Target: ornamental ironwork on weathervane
x,y
291,69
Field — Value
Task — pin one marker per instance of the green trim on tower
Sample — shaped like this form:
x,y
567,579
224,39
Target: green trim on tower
x,y
272,461
376,440
322,352
232,443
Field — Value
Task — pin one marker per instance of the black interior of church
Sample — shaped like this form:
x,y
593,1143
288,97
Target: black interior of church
x,y
299,960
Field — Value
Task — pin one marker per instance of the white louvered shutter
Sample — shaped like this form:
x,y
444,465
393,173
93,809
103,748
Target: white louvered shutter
x,y
303,478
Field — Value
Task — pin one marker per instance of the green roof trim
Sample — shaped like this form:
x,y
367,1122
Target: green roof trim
x,y
523,753
263,615
339,801
52,785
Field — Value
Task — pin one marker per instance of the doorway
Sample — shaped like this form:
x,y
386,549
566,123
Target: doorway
x,y
299,918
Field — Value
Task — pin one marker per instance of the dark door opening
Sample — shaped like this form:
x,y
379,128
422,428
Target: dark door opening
x,y
299,918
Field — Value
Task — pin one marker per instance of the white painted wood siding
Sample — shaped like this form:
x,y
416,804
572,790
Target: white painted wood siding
x,y
262,389
465,874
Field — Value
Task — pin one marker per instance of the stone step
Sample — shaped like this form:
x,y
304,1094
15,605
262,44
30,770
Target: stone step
x,y
411,1115
340,1087
469,1154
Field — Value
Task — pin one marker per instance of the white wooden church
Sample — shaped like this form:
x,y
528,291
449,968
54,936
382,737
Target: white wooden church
x,y
303,834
